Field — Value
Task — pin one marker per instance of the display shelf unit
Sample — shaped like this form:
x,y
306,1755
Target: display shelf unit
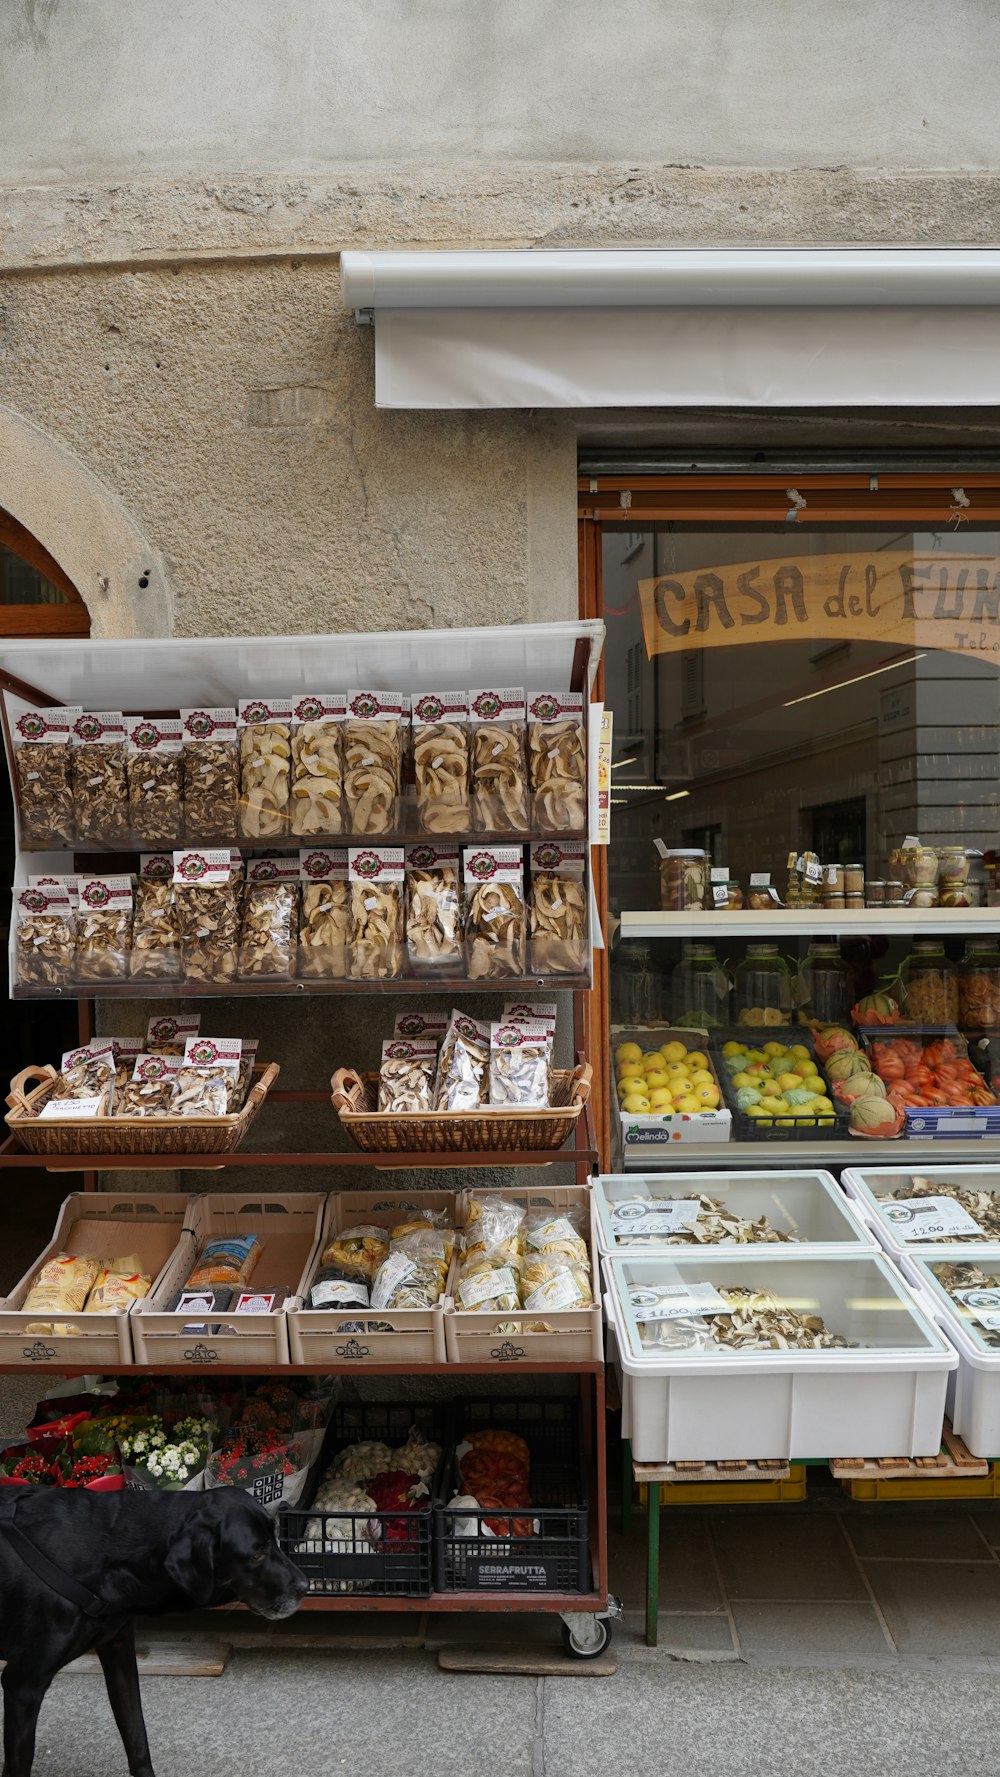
x,y
283,990
146,676
812,922
710,1156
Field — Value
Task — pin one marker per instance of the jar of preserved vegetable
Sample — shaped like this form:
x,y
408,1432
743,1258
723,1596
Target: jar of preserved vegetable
x,y
930,984
953,876
699,988
682,880
823,989
979,985
763,987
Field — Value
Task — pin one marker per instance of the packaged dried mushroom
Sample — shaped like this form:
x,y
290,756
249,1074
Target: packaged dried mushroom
x,y
155,780
557,911
462,1080
156,932
317,765
519,1065
376,929
211,772
99,768
88,1073
150,1090
46,934
430,1025
495,918
433,908
104,928
227,1057
126,1051
199,1092
441,761
42,742
374,743
265,766
406,1077
324,914
498,768
270,919
208,892
557,761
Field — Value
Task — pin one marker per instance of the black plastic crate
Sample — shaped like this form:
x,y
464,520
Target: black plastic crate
x,y
385,1554
833,1125
557,1559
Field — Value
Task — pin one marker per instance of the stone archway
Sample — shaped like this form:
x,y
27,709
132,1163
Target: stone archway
x,y
122,579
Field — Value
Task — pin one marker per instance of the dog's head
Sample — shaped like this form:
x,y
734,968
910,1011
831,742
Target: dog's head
x,y
227,1552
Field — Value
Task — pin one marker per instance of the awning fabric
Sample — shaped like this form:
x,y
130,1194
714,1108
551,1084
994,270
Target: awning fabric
x,y
869,328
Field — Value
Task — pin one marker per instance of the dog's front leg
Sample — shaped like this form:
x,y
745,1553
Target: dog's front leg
x,y
22,1699
121,1675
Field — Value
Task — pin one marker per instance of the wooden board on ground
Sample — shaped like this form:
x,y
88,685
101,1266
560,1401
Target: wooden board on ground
x,y
171,1657
646,1472
526,1662
954,1463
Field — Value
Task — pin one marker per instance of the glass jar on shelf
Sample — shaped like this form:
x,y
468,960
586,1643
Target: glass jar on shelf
x,y
823,986
763,987
699,988
979,985
930,984
682,879
953,876
918,867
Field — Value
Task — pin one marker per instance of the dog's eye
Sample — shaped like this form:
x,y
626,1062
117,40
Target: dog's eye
x,y
258,1560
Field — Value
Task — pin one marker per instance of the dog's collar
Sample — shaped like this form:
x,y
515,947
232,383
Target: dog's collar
x,y
52,1576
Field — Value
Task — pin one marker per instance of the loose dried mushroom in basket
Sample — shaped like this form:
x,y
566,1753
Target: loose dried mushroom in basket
x,y
433,908
45,937
270,920
99,768
104,928
211,773
981,1204
499,773
265,766
441,761
317,765
495,915
557,915
557,762
374,738
155,780
376,929
42,764
324,916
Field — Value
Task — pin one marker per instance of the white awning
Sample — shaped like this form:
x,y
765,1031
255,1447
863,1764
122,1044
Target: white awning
x,y
760,328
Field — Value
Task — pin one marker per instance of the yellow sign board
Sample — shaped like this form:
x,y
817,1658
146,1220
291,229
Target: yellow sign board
x,y
938,600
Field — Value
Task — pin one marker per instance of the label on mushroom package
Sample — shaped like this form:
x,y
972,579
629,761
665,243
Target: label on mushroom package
x,y
49,728
653,1215
675,1301
321,706
930,1218
209,724
202,869
323,863
102,728
497,706
170,1027
153,734
434,707
983,1306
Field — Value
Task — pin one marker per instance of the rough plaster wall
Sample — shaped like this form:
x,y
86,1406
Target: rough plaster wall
x,y
905,83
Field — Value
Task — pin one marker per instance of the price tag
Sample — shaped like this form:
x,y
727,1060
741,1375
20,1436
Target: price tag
x,y
983,1306
931,1218
719,873
676,1301
760,879
660,1215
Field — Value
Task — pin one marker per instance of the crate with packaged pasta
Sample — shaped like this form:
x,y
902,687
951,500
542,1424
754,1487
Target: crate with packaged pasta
x,y
523,1287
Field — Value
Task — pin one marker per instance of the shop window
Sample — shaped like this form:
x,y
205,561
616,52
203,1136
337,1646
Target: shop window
x,y
36,597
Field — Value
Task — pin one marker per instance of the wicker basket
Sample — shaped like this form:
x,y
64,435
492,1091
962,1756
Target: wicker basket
x,y
126,1135
486,1130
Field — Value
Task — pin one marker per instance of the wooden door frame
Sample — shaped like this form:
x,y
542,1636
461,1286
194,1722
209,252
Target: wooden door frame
x,y
71,618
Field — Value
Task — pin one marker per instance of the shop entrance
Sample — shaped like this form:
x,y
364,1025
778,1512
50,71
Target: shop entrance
x,y
36,599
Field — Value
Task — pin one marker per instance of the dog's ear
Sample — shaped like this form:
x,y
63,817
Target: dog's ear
x,y
190,1562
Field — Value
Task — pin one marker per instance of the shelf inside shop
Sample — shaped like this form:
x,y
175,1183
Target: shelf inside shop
x,y
91,856
311,989
740,1155
810,922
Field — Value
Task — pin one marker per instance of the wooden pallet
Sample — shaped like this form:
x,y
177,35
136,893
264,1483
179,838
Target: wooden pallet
x,y
654,1472
954,1463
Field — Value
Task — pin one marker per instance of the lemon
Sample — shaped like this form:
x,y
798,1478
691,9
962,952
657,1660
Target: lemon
x,y
688,1103
673,1052
661,1099
628,1052
631,1083
697,1058
636,1104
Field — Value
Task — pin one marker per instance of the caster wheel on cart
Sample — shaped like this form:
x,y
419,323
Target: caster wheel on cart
x,y
588,1645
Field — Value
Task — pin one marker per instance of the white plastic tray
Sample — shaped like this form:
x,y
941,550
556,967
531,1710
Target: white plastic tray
x,y
865,1185
885,1398
974,1388
809,1204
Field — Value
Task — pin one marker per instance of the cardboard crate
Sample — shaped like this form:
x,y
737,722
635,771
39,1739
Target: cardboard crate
x,y
356,1335
289,1224
577,1334
646,1133
94,1225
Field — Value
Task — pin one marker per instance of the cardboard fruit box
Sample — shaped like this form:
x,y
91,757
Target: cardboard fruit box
x,y
645,1131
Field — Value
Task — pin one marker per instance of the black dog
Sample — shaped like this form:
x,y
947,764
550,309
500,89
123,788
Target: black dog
x,y
77,1568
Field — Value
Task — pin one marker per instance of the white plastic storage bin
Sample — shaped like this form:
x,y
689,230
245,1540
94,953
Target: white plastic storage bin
x,y
973,1404
901,1231
636,1213
886,1397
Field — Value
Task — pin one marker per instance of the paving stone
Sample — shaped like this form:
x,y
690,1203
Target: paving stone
x,y
790,1633
774,1556
987,1516
940,1610
688,1635
913,1532
688,1576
